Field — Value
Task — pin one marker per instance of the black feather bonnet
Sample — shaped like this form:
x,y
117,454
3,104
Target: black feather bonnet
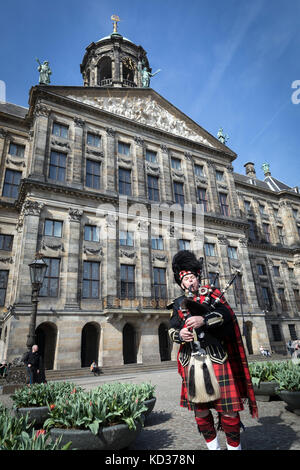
x,y
183,261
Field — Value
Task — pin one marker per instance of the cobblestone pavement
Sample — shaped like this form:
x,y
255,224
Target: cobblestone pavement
x,y
170,427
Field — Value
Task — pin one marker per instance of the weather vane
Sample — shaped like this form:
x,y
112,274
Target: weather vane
x,y
115,20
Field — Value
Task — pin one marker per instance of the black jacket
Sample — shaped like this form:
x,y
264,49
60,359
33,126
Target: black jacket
x,y
33,358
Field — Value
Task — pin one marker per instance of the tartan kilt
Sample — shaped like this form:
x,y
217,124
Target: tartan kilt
x,y
230,399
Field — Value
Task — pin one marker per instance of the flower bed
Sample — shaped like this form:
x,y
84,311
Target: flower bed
x,y
42,394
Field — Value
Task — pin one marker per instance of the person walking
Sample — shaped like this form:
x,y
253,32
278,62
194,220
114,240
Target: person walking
x,y
33,361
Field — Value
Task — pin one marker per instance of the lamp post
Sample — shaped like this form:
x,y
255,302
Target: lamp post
x,y
37,273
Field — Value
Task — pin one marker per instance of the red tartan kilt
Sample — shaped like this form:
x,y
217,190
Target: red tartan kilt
x,y
230,399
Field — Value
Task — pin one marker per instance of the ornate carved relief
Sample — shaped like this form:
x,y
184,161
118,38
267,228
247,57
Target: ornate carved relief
x,y
32,208
75,215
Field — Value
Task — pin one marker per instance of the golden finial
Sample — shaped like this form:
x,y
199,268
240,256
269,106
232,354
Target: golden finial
x,y
115,20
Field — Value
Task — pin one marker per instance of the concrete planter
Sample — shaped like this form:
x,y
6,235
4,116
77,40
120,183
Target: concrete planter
x,y
115,437
265,391
150,405
38,414
292,399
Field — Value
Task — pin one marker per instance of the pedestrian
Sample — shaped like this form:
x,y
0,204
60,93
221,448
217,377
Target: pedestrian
x,y
3,369
94,368
296,351
33,361
219,336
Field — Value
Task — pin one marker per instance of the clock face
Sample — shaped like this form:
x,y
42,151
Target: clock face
x,y
128,62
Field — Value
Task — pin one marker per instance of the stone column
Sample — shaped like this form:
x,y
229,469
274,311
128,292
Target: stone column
x,y
30,213
150,340
247,278
289,223
110,267
112,352
143,264
213,194
39,163
110,158
73,259
78,160
140,189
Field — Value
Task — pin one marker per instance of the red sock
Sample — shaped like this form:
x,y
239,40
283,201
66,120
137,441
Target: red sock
x,y
231,427
206,426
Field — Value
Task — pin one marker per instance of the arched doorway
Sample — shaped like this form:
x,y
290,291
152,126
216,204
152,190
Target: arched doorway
x,y
46,337
164,343
129,344
90,336
104,71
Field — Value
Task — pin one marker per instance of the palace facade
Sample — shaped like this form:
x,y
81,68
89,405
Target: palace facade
x,y
108,181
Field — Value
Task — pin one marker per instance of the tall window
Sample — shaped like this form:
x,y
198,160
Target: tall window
x,y
16,149
93,140
202,198
91,280
276,333
123,148
51,279
209,249
57,168
247,206
92,233
11,183
261,209
127,281
252,230
153,190
93,174
126,238
219,175
151,156
199,170
157,243
276,271
3,285
266,229
60,130
53,228
184,244
160,284
267,304
232,252
297,298
281,235
293,333
176,163
223,204
124,181
6,242
179,193
261,268
282,299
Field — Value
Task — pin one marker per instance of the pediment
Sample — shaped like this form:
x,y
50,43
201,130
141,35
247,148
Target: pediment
x,y
143,106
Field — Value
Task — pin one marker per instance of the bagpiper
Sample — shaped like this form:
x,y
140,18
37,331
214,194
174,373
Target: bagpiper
x,y
211,359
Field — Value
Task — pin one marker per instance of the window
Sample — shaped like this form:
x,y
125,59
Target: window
x,y
213,279
281,235
247,206
51,279
295,213
252,230
293,334
124,181
179,193
16,149
199,170
176,163
126,238
261,268
3,286
219,175
153,190
266,230
232,252
151,156
223,204
91,278
297,298
276,333
60,130
276,210
282,298
209,249
184,244
267,304
57,168
202,198
160,284
123,148
93,174
6,242
291,273
91,233
11,183
157,243
276,271
53,228
261,209
93,140
127,281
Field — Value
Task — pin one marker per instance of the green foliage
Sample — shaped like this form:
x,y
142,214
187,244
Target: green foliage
x,y
16,433
106,405
42,394
288,378
265,371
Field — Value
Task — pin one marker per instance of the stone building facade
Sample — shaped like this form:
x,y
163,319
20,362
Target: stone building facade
x,y
108,181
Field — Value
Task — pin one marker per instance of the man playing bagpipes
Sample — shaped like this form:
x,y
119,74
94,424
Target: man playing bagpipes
x,y
211,358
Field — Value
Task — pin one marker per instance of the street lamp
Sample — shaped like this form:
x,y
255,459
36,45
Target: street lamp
x,y
37,273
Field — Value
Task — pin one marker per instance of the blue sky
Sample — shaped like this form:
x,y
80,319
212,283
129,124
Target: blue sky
x,y
228,63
